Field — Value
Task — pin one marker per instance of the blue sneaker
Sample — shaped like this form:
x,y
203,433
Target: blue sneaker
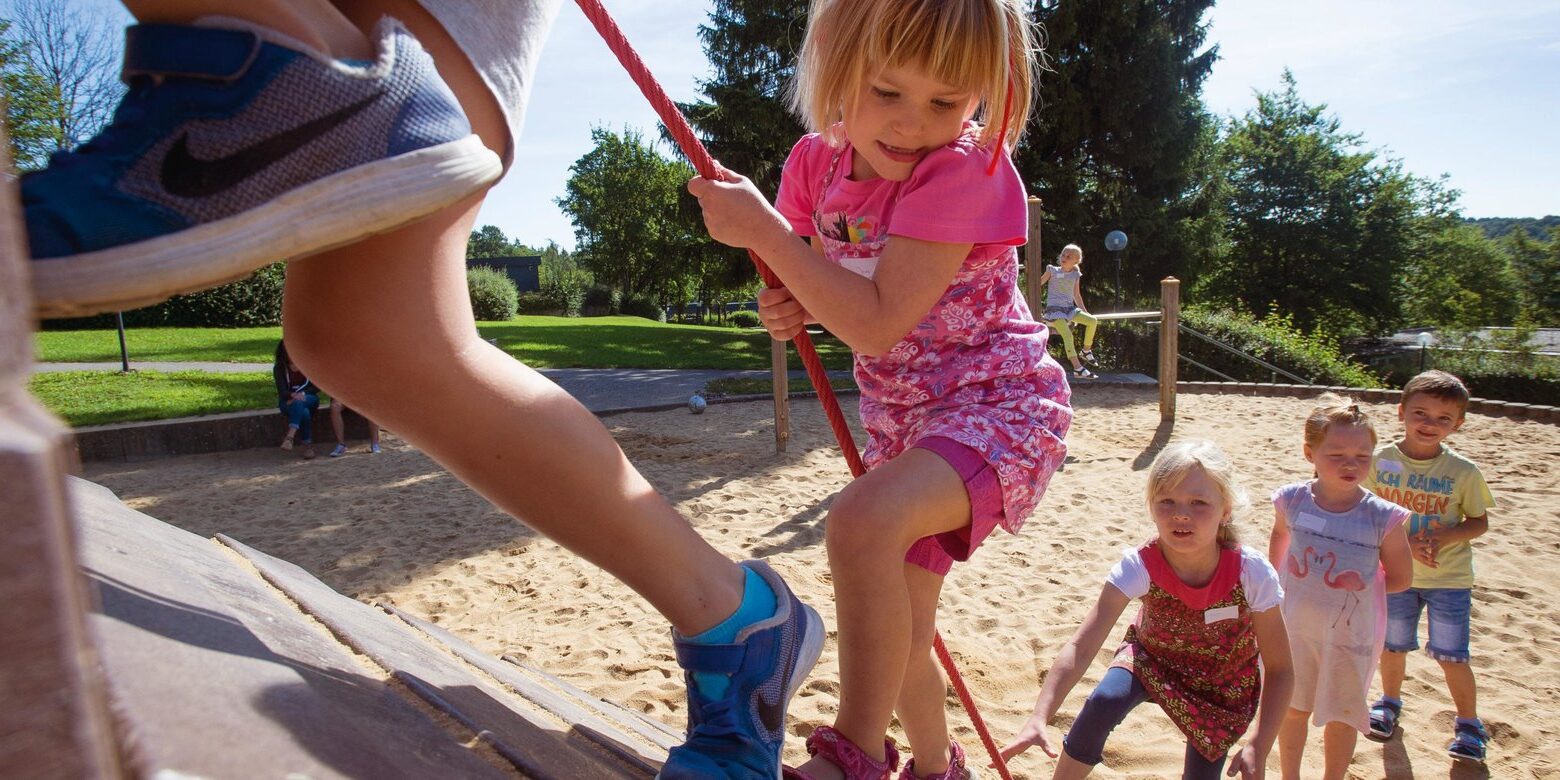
x,y
237,147
741,734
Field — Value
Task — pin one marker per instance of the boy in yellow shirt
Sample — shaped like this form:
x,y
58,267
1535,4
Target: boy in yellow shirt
x,y
1450,501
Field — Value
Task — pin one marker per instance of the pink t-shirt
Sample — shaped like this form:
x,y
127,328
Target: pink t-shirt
x,y
975,368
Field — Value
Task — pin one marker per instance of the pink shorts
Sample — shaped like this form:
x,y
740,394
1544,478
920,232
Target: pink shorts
x,y
937,553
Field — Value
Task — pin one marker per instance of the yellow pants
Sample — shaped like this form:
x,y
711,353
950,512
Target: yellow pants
x,y
1064,329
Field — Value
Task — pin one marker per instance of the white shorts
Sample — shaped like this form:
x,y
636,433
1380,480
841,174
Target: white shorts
x,y
503,39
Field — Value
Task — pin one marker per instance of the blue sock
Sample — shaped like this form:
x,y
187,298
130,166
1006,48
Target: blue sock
x,y
758,603
1391,700
1475,722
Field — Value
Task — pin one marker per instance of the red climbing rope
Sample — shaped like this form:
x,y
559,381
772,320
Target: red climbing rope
x,y
705,165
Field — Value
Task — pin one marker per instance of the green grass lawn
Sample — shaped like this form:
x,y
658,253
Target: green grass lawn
x,y
99,397
541,342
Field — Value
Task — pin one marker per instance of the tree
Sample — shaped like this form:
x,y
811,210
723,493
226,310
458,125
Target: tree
x,y
1317,224
78,51
32,107
630,227
1537,266
752,47
1120,139
1461,280
489,241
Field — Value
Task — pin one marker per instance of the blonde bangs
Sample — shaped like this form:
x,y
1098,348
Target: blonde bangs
x,y
967,44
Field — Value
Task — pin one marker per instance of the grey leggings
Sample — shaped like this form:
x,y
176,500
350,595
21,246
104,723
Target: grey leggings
x,y
1116,695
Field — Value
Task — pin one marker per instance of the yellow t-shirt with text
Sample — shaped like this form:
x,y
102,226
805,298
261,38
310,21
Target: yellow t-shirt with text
x,y
1440,492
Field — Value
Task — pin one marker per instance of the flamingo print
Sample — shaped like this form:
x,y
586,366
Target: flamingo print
x,y
1348,580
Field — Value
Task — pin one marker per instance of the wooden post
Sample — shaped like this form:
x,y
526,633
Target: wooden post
x,y
1034,259
55,722
781,377
1169,344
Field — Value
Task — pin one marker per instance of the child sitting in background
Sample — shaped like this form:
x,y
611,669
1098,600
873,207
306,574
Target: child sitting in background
x,y
1064,306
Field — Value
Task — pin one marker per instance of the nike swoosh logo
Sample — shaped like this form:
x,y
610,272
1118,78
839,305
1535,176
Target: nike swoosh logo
x,y
186,176
772,713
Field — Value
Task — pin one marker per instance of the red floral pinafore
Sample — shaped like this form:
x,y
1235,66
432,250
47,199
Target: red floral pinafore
x,y
1204,675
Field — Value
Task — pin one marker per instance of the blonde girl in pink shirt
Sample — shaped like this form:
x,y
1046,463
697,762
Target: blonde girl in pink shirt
x,y
896,227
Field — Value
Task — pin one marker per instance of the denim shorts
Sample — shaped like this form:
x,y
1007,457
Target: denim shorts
x,y
1449,609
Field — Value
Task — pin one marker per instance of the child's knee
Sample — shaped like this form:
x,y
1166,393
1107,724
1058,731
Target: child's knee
x,y
859,523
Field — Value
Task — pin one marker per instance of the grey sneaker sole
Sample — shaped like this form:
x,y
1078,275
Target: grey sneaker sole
x,y
325,214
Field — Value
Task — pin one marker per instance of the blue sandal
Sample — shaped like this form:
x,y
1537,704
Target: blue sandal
x,y
1468,742
1383,718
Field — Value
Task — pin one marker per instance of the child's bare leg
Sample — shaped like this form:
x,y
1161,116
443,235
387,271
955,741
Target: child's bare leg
x,y
1394,666
1069,768
1460,683
1291,743
1338,749
872,525
388,323
315,23
337,423
920,706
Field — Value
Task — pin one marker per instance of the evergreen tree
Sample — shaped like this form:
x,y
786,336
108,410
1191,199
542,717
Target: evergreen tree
x,y
752,47
1120,139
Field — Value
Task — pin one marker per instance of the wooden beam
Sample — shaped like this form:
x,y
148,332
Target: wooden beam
x,y
1034,259
780,376
1169,344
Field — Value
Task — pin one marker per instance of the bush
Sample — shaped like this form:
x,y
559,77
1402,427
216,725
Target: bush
x,y
742,318
254,301
1519,376
636,306
1275,339
601,299
535,303
568,299
493,294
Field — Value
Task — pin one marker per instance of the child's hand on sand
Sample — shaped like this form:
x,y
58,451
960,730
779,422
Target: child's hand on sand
x,y
1033,733
1425,547
1248,764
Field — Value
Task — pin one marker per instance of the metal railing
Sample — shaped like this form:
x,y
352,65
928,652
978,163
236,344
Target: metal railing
x,y
1238,353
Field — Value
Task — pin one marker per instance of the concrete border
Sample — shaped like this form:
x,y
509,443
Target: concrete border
x,y
1519,411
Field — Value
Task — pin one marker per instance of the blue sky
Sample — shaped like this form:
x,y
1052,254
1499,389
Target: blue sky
x,y
1468,89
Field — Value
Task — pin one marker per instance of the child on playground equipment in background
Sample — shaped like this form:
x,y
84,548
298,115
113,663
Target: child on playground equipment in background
x,y
1064,306
284,128
1208,617
1341,549
895,227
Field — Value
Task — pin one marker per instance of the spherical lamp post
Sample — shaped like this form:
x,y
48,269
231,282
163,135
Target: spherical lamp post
x,y
1115,241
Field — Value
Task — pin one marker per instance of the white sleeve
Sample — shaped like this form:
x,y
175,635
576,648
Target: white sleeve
x,y
1129,575
1259,580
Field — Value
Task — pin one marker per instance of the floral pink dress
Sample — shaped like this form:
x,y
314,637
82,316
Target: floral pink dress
x,y
975,368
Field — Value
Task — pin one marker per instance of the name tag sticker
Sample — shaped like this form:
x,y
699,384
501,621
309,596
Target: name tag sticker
x,y
1389,465
1311,522
1221,613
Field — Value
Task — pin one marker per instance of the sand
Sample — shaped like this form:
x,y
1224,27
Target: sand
x,y
398,528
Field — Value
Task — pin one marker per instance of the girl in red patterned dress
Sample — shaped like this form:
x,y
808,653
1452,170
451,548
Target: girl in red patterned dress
x,y
1209,615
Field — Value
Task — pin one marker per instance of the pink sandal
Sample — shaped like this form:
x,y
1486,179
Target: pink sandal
x,y
958,767
828,742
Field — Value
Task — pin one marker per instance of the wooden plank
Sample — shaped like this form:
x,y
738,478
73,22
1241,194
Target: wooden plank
x,y
615,728
539,744
214,674
55,721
